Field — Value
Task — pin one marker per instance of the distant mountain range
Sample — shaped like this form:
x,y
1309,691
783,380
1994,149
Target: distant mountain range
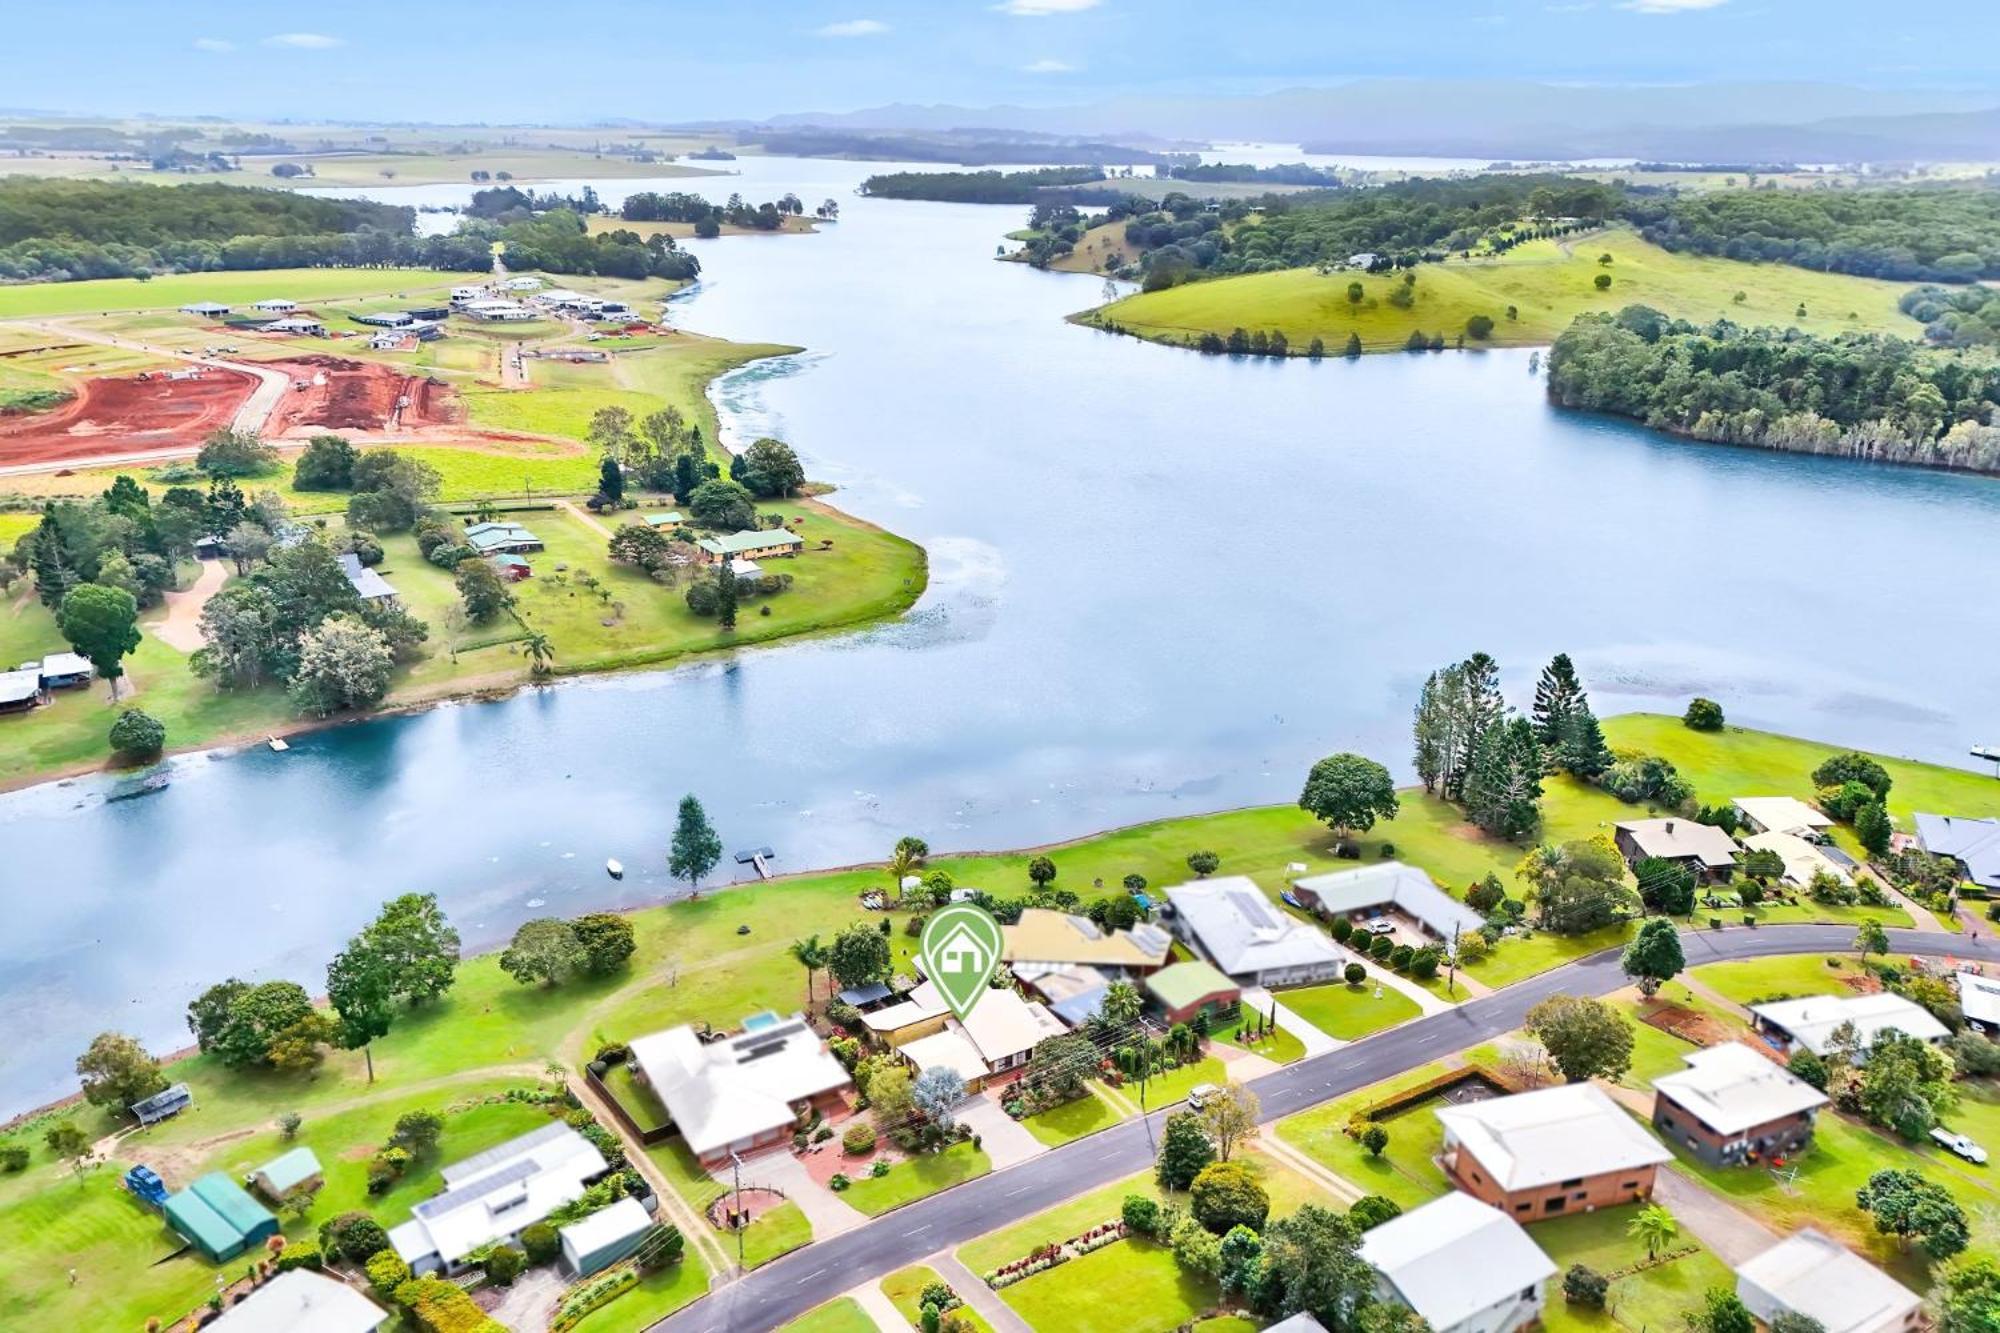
x,y
1800,122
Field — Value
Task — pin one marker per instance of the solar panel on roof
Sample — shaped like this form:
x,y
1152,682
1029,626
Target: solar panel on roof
x,y
513,1148
453,1200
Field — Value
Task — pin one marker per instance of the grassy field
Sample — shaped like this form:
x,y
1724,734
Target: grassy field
x,y
839,1316
1131,1286
1280,1047
656,1296
906,1286
1349,1012
1756,979
1548,283
916,1178
235,287
1404,1171
1653,1298
1073,1120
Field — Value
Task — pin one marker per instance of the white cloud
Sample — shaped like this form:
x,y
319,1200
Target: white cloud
x,y
1049,67
304,41
855,28
1669,6
1035,9
213,44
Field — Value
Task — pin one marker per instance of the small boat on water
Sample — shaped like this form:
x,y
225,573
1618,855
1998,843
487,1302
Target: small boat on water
x,y
277,743
614,868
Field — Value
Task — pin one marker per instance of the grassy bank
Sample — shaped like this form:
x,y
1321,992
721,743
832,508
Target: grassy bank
x,y
236,287
1548,283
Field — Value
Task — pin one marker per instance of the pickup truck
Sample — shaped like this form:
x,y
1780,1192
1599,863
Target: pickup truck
x,y
1954,1142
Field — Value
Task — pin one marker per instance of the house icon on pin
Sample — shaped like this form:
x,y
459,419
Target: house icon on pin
x,y
964,952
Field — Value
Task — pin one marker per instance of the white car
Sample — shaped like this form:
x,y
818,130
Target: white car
x,y
1953,1142
1199,1094
1379,926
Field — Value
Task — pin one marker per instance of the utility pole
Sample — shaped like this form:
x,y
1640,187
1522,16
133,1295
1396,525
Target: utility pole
x,y
736,1174
1451,973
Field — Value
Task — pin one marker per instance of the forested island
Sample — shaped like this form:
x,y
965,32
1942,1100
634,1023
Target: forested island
x,y
1850,397
977,187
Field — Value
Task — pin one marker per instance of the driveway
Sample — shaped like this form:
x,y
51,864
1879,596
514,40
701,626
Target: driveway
x,y
828,1212
1734,1235
1003,1138
180,627
531,1301
1310,1037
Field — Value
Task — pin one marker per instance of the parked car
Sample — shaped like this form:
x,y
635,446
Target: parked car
x,y
1379,926
1200,1094
1954,1142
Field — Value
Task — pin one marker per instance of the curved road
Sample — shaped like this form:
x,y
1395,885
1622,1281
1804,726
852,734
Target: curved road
x,y
807,1277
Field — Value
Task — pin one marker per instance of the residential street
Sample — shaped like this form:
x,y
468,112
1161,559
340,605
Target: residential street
x,y
790,1286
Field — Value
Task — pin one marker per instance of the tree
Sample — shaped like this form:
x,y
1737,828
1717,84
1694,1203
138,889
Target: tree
x,y
545,949
416,944
607,941
541,1243
859,955
1584,751
342,664
360,986
1721,1311
1310,1265
249,545
1791,1321
325,464
137,735
1585,1287
235,453
1355,291
1665,886
1196,1249
354,1237
1229,1118
1966,1296
610,430
1853,767
1349,792
721,503
1872,827
1061,1066
937,1093
1226,1194
1041,872
892,1100
1871,938
1906,1084
70,1144
1654,956
1479,327
610,478
1558,696
116,1071
1578,886
101,624
481,589
769,468
1203,864
1184,1151
1122,1004
1909,1207
417,1132
273,1023
541,651
1372,1210
810,954
1585,1038
727,588
1603,284
1503,790
696,846
1353,348
1654,1227
1703,715
1375,1138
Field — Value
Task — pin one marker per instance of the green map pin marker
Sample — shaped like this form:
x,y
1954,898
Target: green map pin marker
x,y
961,952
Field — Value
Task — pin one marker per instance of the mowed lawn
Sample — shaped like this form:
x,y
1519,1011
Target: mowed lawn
x,y
1404,1170
840,1316
905,1289
916,1178
100,295
1350,1012
1549,284
1130,1286
656,1296
1651,1299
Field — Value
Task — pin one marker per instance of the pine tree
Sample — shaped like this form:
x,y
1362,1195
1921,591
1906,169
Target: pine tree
x,y
1430,730
725,594
1478,709
1504,789
1583,751
696,846
1557,695
1353,346
55,572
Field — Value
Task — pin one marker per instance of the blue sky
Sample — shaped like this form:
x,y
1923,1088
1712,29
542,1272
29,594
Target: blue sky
x,y
505,61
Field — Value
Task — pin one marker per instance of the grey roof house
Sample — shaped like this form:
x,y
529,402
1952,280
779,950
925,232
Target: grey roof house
x,y
1231,921
1973,843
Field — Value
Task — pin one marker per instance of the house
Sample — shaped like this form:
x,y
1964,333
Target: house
x,y
1183,990
1809,1024
297,326
206,309
1242,933
367,584
1702,848
867,998
511,567
389,342
497,312
1979,1000
602,1239
387,319
1816,1276
745,569
1973,843
498,538
522,284
1783,814
997,1035
745,1092
488,1198
65,671
301,1301
428,314
1393,887
219,1218
1044,937
1463,1265
1551,1152
756,544
20,690
669,519
288,1173
163,1105
462,295
1302,1322
1802,859
276,305
1733,1105
1074,992
918,1014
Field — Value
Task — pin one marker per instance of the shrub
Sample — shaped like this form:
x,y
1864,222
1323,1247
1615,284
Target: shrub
x,y
386,1272
540,1243
288,1125
417,1131
1342,929
1585,1286
1853,767
1473,948
1372,1210
1203,863
137,735
13,1157
859,1138
1226,1194
839,1182
504,1264
438,1306
1400,956
1602,282
1703,715
1479,326
1140,1214
1375,1138
879,1168
355,1237
1355,974
1425,965
1381,947
1808,1068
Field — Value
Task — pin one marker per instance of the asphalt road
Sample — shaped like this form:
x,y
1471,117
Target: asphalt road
x,y
787,1288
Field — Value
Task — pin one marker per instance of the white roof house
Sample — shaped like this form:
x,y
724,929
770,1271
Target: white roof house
x,y
1731,1088
276,304
1814,1275
367,584
741,1088
1553,1134
1782,814
604,1237
1245,936
1463,1265
1979,998
950,1049
1000,1032
1802,859
491,1196
1392,884
66,666
1680,839
1811,1022
924,1002
302,1301
23,686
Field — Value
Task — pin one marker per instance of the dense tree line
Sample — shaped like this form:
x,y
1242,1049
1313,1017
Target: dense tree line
x,y
976,187
709,218
130,214
1851,396
1955,316
1188,167
1930,234
557,242
506,203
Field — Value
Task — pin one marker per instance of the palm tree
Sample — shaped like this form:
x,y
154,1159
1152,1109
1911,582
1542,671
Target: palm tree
x,y
541,653
810,954
1121,1004
905,861
1655,1227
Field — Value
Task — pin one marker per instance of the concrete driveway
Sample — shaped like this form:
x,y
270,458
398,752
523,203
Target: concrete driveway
x,y
1003,1138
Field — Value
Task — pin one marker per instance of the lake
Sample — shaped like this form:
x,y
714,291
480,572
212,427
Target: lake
x,y
1161,584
